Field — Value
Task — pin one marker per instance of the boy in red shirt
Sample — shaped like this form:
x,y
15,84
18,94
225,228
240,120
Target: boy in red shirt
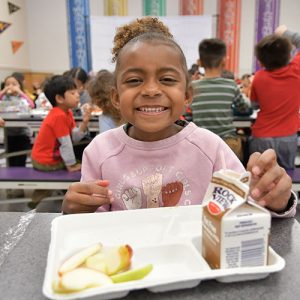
x,y
53,147
276,90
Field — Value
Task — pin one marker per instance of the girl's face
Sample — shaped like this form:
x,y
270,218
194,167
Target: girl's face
x,y
151,90
13,85
79,84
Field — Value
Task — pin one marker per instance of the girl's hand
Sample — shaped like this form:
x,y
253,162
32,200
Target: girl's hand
x,y
270,185
83,197
17,90
2,122
6,90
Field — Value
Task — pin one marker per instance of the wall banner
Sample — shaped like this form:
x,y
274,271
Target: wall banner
x,y
115,8
229,30
79,33
154,7
266,21
12,8
4,26
191,7
16,45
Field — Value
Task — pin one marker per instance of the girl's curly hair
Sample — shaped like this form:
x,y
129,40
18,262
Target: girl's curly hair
x,y
136,28
146,29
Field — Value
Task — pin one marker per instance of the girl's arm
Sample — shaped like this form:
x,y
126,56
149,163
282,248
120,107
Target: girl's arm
x,y
3,92
83,197
25,97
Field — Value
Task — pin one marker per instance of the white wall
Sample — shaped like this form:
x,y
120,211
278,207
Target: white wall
x,y
42,24
289,14
247,37
17,31
48,36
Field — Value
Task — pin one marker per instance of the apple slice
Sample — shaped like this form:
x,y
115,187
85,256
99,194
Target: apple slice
x,y
57,288
118,259
111,260
80,279
134,274
96,262
78,258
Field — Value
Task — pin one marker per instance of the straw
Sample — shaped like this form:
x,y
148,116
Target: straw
x,y
223,160
169,225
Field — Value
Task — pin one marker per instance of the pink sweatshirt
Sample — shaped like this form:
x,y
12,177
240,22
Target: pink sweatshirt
x,y
169,172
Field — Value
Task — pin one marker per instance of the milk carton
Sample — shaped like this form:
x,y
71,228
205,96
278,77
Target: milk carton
x,y
235,232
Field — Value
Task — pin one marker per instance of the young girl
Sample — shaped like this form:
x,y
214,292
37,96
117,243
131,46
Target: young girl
x,y
99,89
13,98
13,91
154,160
81,79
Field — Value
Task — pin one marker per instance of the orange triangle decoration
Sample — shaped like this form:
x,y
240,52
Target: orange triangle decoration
x,y
3,26
12,8
16,46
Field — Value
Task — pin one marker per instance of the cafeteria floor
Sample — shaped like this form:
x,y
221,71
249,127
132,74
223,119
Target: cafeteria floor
x,y
43,206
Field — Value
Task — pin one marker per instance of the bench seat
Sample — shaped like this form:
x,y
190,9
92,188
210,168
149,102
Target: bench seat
x,y
29,178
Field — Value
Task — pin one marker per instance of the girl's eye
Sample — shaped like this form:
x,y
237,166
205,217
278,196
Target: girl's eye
x,y
133,81
168,80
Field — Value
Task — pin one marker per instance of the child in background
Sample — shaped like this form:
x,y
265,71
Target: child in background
x,y
13,98
99,89
276,90
20,77
81,79
246,84
42,102
154,160
194,72
215,95
53,147
13,91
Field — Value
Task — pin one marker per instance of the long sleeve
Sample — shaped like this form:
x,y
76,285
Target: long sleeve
x,y
66,150
77,134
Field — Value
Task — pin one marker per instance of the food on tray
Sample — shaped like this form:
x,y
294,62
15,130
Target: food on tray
x,y
79,279
96,110
97,266
235,231
78,258
111,260
134,274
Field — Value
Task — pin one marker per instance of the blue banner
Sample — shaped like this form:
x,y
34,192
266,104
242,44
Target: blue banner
x,y
79,34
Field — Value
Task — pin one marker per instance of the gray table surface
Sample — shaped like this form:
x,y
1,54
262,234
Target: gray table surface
x,y
22,273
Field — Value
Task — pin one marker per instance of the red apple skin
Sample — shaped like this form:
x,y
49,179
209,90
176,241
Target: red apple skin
x,y
130,251
126,253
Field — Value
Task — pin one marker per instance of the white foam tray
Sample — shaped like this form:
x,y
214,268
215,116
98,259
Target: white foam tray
x,y
169,238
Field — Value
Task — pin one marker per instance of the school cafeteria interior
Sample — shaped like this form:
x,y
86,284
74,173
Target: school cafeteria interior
x,y
159,233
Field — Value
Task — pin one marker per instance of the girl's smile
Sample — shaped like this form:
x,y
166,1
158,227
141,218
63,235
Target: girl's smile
x,y
151,89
